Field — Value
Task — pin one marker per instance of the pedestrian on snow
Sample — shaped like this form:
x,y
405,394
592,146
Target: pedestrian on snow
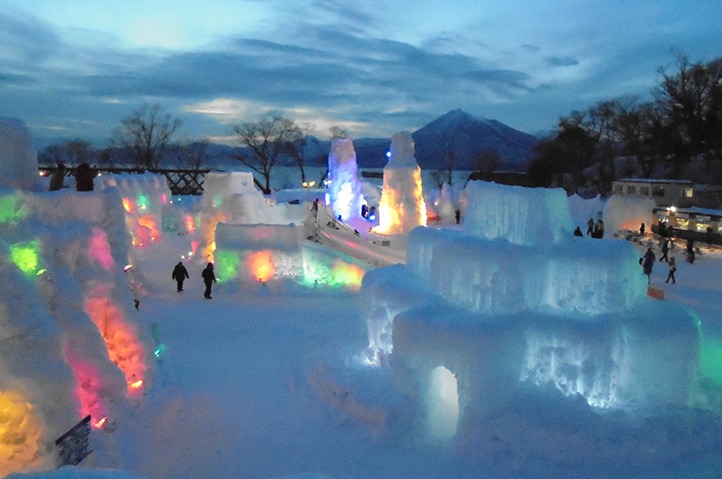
x,y
598,230
57,181
180,273
690,251
641,230
648,263
84,176
208,278
590,227
672,269
665,250
578,232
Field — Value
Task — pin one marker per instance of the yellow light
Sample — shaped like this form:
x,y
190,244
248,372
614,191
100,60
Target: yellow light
x,y
136,384
99,424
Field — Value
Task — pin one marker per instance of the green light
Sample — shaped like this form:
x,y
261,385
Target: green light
x,y
11,209
26,256
143,202
226,264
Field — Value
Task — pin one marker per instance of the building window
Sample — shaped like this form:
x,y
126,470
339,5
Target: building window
x,y
658,191
688,192
631,189
644,190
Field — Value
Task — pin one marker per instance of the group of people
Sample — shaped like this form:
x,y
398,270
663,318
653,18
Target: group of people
x,y
647,262
180,274
84,176
595,229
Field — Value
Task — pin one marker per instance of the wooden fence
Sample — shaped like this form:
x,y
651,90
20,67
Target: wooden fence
x,y
180,181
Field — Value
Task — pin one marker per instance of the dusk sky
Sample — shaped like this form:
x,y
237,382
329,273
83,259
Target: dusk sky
x,y
76,68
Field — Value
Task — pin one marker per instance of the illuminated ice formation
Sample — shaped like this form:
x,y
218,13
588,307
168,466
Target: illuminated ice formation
x,y
402,205
18,160
516,298
146,201
233,198
267,253
71,345
344,188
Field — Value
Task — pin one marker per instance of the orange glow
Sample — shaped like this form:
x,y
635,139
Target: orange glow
x,y
99,424
128,205
21,434
260,265
137,384
398,214
350,274
149,232
209,232
124,347
190,224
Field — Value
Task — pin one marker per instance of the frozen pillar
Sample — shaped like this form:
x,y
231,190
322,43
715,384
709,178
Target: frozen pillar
x,y
344,187
402,206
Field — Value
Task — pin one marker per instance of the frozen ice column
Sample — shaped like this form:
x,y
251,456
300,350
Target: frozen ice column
x,y
402,206
344,188
18,161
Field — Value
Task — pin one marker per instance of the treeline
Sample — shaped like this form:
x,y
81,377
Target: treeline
x,y
144,140
678,135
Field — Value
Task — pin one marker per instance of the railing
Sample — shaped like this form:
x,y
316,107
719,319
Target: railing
x,y
180,181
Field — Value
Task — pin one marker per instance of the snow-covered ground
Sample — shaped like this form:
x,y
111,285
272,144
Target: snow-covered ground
x,y
267,383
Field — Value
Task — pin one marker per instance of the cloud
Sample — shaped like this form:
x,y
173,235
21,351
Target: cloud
x,y
562,61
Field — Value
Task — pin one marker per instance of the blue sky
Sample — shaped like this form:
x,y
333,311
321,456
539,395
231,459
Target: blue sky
x,y
76,68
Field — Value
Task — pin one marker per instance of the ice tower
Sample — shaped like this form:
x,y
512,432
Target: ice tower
x,y
18,160
515,299
402,206
344,188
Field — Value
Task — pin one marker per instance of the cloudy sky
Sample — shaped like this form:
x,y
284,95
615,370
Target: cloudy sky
x,y
76,68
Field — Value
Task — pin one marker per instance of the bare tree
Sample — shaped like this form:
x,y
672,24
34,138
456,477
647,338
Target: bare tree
x,y
146,133
192,155
338,133
265,141
73,152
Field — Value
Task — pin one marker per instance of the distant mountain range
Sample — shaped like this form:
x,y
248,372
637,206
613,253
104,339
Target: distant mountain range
x,y
457,132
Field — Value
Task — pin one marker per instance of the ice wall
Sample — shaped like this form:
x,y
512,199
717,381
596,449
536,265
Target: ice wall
x,y
522,216
627,213
146,200
18,160
267,253
80,347
232,198
515,298
402,206
344,188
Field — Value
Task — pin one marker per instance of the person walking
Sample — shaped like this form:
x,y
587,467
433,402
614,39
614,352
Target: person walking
x,y
180,273
590,227
208,278
665,250
84,176
648,263
672,269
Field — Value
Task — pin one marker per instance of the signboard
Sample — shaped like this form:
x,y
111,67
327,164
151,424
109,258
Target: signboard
x,y
74,445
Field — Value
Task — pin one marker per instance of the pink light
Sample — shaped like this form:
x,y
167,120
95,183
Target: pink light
x,y
164,198
100,249
99,424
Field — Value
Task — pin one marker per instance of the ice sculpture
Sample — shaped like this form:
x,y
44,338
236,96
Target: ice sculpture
x,y
344,188
516,298
402,206
18,160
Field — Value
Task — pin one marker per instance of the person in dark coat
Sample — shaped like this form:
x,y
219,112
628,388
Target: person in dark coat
x,y
590,227
180,273
641,230
578,232
672,270
648,263
57,181
208,278
84,176
665,251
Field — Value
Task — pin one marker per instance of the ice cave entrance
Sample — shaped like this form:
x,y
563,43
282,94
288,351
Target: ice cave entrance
x,y
442,401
